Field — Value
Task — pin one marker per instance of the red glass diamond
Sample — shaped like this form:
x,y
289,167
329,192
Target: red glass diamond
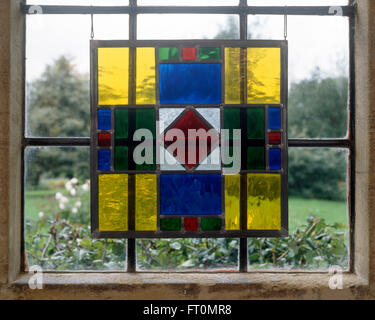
x,y
104,139
274,137
191,224
190,120
188,53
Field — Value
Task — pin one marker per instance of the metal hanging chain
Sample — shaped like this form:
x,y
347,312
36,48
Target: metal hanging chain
x,y
92,26
285,23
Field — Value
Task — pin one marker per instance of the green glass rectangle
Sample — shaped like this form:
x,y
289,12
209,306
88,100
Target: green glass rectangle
x,y
121,123
170,224
255,123
232,120
145,119
211,224
121,158
256,158
209,53
169,53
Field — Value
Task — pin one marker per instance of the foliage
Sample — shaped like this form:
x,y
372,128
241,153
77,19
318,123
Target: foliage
x,y
56,162
317,108
58,105
61,240
187,253
315,245
317,174
58,102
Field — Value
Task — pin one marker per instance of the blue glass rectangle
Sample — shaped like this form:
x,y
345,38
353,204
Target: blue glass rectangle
x,y
104,119
190,83
275,159
274,118
190,194
104,160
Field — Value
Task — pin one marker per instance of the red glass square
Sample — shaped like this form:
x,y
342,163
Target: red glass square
x,y
191,224
274,137
188,53
104,139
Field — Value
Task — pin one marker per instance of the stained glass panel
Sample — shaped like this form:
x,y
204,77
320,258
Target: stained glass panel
x,y
185,176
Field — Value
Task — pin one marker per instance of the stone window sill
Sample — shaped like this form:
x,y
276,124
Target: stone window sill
x,y
90,285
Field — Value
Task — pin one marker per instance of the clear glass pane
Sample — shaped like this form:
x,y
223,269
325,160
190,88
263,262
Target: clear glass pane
x,y
57,71
111,27
187,254
80,2
297,2
318,71
318,215
188,26
57,213
187,2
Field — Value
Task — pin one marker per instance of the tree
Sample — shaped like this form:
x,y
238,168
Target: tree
x,y
318,108
58,106
59,102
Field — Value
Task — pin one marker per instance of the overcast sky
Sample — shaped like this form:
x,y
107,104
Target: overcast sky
x,y
313,41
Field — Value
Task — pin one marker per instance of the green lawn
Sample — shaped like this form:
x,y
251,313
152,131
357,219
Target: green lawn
x,y
40,200
331,211
299,209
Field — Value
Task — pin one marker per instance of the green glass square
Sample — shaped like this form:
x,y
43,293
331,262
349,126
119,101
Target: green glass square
x,y
169,53
255,123
170,224
211,224
209,53
256,158
232,120
121,123
121,158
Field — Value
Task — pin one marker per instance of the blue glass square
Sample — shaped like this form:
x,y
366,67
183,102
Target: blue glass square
x,y
104,160
193,194
274,118
275,159
104,119
188,83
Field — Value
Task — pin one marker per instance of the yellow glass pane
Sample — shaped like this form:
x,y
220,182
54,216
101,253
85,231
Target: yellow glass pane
x,y
232,76
113,202
145,202
146,76
263,75
263,201
113,76
232,202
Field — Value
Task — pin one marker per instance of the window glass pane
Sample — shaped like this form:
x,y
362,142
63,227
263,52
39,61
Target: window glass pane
x,y
296,2
57,213
318,72
318,215
187,2
187,254
80,2
57,71
187,26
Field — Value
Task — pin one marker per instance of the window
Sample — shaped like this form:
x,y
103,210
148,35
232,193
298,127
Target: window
x,y
321,144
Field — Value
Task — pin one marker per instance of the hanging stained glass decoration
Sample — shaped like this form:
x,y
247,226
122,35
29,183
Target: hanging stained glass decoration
x,y
189,139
